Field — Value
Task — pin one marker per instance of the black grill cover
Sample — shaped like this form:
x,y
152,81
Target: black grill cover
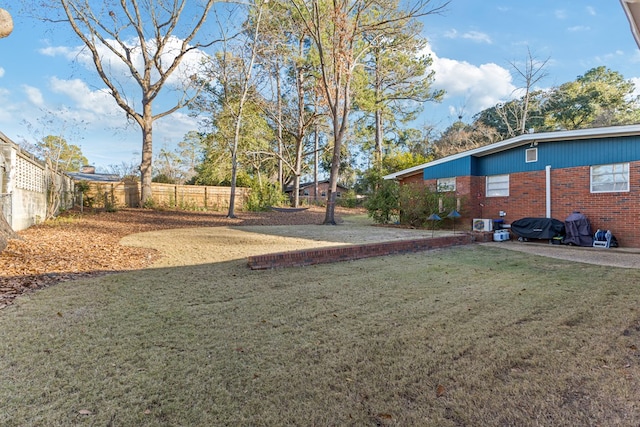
x,y
538,228
578,230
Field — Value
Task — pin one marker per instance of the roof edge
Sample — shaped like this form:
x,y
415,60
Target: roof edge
x,y
524,139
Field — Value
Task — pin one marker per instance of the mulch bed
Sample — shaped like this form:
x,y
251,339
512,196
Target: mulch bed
x,y
78,245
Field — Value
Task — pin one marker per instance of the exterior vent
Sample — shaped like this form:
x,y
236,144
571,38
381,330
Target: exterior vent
x,y
531,155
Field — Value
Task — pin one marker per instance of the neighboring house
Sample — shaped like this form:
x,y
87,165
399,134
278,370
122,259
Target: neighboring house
x,y
308,191
593,171
88,173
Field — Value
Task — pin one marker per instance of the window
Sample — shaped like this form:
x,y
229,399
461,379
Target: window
x,y
446,184
498,186
306,192
610,178
531,155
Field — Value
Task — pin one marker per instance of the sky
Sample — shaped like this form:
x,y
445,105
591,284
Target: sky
x,y
43,74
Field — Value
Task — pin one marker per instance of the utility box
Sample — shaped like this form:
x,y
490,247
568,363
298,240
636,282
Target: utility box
x,y
501,235
480,224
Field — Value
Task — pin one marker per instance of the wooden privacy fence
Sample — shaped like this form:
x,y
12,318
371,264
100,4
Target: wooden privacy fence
x,y
192,197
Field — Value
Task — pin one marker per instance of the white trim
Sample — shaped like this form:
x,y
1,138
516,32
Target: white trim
x,y
533,150
500,180
547,174
446,184
613,131
626,170
632,10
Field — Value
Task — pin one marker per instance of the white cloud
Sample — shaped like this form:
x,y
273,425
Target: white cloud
x,y
1,71
98,102
119,71
578,28
58,51
591,11
480,86
636,82
475,36
560,14
34,95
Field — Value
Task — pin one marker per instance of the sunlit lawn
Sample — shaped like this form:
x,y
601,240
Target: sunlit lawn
x,y
471,336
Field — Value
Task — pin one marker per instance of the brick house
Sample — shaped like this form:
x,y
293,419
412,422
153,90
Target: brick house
x,y
593,171
308,191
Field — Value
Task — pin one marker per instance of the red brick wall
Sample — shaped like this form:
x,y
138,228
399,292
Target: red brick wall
x,y
570,191
352,252
414,178
527,198
470,189
618,212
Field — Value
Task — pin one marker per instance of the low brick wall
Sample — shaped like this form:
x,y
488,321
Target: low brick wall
x,y
352,252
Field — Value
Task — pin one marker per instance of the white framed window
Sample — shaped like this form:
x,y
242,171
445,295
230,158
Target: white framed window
x,y
610,178
498,186
531,155
446,184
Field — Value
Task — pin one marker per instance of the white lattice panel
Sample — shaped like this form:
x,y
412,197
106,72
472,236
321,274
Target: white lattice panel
x,y
29,176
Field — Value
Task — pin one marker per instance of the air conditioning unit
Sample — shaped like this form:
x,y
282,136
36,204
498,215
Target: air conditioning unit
x,y
480,224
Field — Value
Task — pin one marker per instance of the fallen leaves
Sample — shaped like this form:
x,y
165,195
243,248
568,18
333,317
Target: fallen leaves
x,y
87,245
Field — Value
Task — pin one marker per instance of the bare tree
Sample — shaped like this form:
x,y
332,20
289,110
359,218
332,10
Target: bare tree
x,y
342,32
246,85
532,73
139,36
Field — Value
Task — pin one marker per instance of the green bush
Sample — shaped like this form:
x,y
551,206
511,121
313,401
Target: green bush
x,y
409,204
383,205
348,199
264,195
418,202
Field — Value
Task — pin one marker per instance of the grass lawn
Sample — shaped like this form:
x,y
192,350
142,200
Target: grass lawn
x,y
470,336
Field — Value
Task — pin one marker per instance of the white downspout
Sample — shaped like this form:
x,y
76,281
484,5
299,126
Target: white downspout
x,y
547,170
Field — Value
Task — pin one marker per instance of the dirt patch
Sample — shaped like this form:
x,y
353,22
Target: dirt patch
x,y
79,245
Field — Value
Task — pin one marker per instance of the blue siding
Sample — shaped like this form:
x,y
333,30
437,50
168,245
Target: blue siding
x,y
458,167
557,154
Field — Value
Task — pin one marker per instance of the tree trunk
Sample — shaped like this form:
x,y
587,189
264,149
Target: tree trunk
x,y
379,135
316,161
6,232
234,174
296,190
146,170
379,140
280,144
329,218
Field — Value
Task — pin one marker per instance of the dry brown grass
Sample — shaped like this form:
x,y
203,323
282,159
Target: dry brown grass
x,y
461,337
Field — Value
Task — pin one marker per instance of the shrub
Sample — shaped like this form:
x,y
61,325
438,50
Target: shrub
x,y
409,204
264,195
383,205
348,199
418,202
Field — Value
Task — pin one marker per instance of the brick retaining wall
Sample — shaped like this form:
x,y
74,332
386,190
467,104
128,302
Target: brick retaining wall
x,y
352,252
